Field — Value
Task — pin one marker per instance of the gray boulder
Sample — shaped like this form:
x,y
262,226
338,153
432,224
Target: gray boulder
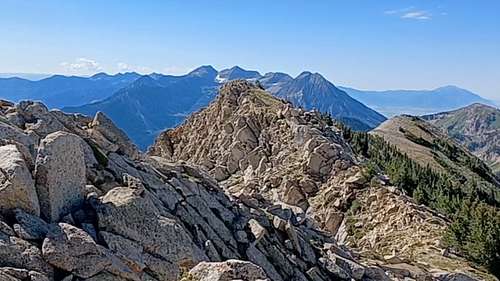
x,y
60,174
29,227
73,250
17,188
18,253
227,271
105,132
132,214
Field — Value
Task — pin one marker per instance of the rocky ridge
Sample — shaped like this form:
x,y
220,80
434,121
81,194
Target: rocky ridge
x,y
267,153
80,202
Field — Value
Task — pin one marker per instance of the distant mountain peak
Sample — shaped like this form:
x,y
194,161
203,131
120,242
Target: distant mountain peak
x,y
145,80
203,71
313,91
100,75
314,77
235,73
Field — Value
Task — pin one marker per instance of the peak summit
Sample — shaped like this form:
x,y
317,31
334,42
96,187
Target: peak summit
x,y
204,71
237,72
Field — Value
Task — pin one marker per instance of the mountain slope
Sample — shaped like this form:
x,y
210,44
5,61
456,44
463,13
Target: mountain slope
x,y
155,102
477,127
430,146
58,91
266,152
313,91
274,81
416,102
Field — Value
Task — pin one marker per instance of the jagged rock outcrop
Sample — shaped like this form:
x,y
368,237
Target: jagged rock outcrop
x,y
136,217
261,144
294,163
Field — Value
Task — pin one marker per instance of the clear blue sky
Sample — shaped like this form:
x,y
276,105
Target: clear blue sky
x,y
365,44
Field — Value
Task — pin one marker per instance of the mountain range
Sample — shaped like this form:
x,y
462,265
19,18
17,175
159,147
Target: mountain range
x,y
417,102
155,102
143,105
58,91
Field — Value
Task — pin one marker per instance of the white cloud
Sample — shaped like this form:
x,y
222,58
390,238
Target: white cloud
x,y
82,65
410,13
398,11
125,67
418,15
176,70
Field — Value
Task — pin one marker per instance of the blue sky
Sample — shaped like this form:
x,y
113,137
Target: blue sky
x,y
364,44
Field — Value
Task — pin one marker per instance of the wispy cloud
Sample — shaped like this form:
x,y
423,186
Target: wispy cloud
x,y
398,11
82,65
174,69
418,15
410,13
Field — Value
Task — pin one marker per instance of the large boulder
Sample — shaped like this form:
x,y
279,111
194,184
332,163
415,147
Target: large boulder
x,y
29,227
60,174
110,137
131,212
12,133
73,250
227,271
17,188
38,118
18,253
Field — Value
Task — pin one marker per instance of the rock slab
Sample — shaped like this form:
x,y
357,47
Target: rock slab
x,y
60,174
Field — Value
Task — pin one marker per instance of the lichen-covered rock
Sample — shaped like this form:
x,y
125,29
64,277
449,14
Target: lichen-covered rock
x,y
12,133
38,119
29,227
73,250
227,271
132,214
18,253
17,188
60,174
16,273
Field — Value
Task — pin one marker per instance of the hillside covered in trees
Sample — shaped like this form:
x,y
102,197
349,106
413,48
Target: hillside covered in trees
x,y
471,203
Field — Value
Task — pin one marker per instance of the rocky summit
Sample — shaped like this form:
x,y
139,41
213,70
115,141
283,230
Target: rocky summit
x,y
250,188
273,156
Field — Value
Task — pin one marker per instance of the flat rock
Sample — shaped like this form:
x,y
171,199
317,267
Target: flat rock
x,y
227,271
132,214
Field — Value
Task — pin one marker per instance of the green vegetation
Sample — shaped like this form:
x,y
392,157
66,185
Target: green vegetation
x,y
474,211
99,156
